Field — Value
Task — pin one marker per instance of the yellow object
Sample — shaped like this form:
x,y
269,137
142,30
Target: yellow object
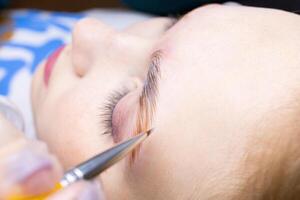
x,y
39,197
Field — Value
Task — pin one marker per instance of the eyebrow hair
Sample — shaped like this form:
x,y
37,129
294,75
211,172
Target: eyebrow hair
x,y
150,90
148,98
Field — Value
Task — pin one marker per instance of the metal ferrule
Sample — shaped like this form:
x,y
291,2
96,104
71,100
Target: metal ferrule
x,y
71,177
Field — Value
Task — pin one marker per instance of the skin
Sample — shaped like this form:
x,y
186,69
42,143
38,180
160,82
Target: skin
x,y
41,172
229,76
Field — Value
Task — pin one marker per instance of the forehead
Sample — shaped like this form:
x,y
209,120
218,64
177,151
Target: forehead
x,y
213,35
209,22
231,59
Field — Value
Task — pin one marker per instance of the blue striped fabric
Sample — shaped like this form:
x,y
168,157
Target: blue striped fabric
x,y
35,34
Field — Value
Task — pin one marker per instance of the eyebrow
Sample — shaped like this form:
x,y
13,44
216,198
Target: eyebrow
x,y
150,90
148,98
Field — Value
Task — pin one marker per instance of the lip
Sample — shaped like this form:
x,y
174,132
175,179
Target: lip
x,y
50,64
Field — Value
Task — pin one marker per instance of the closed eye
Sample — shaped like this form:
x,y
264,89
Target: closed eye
x,y
146,102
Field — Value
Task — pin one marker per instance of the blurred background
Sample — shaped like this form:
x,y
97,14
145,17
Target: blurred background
x,y
161,7
64,5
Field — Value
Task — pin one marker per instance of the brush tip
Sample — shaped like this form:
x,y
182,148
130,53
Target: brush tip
x,y
149,131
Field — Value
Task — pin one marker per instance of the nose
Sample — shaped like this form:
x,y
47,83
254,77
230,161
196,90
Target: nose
x,y
97,44
88,37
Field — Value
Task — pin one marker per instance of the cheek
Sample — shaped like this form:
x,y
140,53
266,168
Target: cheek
x,y
70,124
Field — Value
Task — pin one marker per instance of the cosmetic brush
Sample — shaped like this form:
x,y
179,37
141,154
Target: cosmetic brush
x,y
94,166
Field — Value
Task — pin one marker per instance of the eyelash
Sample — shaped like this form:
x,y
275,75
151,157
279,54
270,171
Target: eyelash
x,y
108,109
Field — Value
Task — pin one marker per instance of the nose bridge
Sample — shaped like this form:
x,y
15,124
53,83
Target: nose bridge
x,y
125,45
87,31
89,36
90,32
132,52
94,41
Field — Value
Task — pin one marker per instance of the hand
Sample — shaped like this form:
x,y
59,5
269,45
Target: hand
x,y
27,168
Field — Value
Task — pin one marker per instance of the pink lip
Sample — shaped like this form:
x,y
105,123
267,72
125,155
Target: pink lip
x,y
50,63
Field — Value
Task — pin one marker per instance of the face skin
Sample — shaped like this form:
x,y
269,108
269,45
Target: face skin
x,y
229,76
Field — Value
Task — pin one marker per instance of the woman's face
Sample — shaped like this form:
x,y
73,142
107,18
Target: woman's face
x,y
217,80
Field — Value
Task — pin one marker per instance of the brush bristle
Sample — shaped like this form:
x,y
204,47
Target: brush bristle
x,y
149,131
